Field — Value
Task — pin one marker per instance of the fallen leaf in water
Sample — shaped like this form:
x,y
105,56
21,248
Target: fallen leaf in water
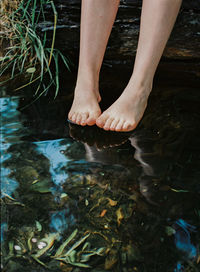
x,y
112,202
62,247
77,244
120,215
103,213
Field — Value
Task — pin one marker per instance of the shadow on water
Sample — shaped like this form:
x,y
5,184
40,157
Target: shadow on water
x,y
82,199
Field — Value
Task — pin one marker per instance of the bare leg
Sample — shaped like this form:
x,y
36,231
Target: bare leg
x,y
97,18
157,20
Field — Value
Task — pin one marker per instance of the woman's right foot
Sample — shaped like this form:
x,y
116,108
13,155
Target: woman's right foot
x,y
85,108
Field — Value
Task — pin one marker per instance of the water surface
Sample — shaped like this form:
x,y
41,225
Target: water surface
x,y
125,201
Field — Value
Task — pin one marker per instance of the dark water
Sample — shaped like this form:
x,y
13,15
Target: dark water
x,y
124,201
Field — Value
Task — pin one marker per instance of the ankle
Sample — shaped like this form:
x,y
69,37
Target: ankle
x,y
87,80
141,83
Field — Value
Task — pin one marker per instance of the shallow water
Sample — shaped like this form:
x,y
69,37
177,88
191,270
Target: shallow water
x,y
130,200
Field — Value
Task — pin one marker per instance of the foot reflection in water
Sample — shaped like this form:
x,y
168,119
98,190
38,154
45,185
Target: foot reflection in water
x,y
171,197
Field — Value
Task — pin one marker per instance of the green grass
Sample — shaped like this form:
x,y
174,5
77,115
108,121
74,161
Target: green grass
x,y
28,51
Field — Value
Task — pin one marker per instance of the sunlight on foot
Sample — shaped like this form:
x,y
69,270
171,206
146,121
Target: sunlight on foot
x,y
126,112
85,108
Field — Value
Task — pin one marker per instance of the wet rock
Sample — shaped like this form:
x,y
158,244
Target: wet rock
x,y
183,43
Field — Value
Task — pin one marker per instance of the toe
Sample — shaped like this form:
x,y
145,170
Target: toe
x,y
100,122
78,119
70,115
126,126
84,118
119,125
93,116
91,120
108,123
74,117
114,124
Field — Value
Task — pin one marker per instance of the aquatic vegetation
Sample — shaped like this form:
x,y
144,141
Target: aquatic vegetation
x,y
25,51
30,246
77,258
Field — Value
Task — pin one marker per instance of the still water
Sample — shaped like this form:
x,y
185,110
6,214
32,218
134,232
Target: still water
x,y
82,199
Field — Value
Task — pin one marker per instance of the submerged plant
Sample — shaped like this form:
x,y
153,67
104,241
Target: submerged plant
x,y
23,49
29,246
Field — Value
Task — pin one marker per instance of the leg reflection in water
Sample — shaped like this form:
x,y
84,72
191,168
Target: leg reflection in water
x,y
100,145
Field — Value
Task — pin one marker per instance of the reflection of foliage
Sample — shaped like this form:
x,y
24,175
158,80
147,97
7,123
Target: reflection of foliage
x,y
25,50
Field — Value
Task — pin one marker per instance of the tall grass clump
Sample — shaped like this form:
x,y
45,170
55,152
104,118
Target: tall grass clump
x,y
23,49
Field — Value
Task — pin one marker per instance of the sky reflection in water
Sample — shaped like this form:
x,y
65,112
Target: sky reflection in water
x,y
10,124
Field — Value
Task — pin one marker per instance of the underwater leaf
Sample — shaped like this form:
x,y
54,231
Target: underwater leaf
x,y
38,261
100,251
112,202
67,261
62,247
31,70
41,187
49,240
86,256
86,245
29,240
103,213
11,248
77,244
120,215
72,256
38,225
81,265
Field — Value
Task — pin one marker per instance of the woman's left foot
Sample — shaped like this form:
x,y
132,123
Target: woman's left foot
x,y
127,111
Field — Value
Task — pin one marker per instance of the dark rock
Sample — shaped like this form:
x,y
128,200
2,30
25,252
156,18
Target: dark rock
x,y
183,42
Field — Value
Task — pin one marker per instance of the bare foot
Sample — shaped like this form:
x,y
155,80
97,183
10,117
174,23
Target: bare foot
x,y
85,108
127,111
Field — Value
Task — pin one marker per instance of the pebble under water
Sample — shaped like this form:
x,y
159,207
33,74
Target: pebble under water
x,y
82,199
